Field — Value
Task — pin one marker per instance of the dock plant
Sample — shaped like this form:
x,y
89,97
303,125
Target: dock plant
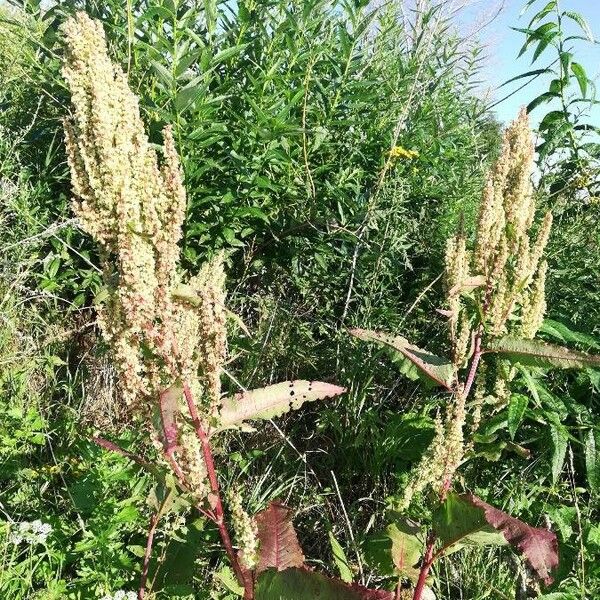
x,y
495,305
167,334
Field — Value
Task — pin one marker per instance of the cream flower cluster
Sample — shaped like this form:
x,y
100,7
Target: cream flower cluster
x,y
134,207
506,274
246,530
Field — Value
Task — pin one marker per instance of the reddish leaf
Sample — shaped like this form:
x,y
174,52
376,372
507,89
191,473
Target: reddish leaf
x,y
539,546
279,547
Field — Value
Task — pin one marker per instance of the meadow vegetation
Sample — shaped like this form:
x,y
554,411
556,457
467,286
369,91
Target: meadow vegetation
x,y
221,224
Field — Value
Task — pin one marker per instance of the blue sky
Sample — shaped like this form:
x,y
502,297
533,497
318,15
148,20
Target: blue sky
x,y
504,45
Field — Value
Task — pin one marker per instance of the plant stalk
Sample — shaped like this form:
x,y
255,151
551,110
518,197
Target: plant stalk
x,y
244,576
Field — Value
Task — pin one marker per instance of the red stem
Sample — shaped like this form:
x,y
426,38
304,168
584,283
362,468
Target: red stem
x,y
151,531
243,576
427,562
477,352
430,556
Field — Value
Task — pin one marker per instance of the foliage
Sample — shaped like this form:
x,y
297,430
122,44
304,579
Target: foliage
x,y
330,150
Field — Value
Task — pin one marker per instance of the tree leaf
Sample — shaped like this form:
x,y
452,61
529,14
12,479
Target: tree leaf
x,y
340,559
543,44
587,30
274,400
532,73
279,547
516,411
545,97
469,518
581,77
592,460
539,354
302,584
433,368
560,437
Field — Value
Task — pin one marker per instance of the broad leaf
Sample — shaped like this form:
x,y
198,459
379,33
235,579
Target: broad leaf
x,y
341,561
431,367
279,548
274,400
540,354
406,549
467,519
395,551
302,584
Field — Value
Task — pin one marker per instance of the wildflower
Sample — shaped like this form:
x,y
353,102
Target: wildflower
x,y
400,152
245,529
134,207
120,595
507,274
32,533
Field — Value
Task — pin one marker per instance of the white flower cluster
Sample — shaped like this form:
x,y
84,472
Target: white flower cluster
x,y
32,533
121,595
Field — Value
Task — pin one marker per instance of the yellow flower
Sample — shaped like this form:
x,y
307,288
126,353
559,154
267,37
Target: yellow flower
x,y
400,152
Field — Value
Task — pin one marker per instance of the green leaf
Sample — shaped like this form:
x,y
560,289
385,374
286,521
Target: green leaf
x,y
516,412
533,73
457,523
302,584
163,73
421,363
581,77
587,30
550,119
273,400
543,12
406,549
227,578
545,97
566,58
228,53
467,519
563,333
560,438
340,559
543,44
539,354
592,460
